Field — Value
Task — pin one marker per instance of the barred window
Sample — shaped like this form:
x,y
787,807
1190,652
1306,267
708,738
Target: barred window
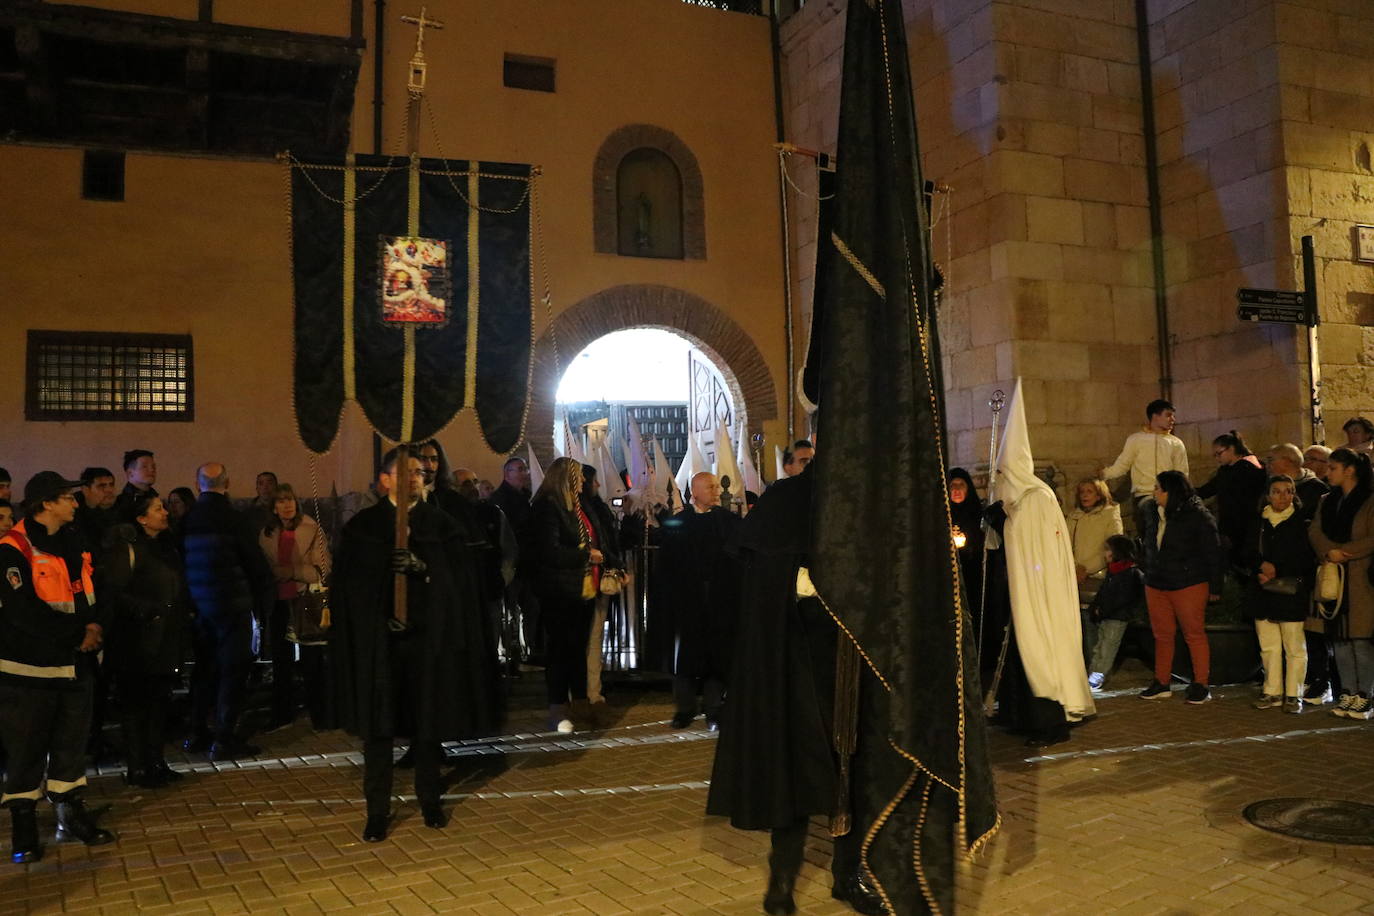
x,y
81,375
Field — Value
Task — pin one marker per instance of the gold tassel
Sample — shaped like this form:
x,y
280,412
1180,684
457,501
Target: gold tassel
x,y
846,730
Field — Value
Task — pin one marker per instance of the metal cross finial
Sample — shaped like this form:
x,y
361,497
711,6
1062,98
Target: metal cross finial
x,y
422,21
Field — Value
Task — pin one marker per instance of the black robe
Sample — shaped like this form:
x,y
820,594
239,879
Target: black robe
x,y
437,680
774,763
699,583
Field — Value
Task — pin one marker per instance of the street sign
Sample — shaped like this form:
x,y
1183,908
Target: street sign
x,y
1272,305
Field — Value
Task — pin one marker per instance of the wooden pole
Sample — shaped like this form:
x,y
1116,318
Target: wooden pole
x,y
416,89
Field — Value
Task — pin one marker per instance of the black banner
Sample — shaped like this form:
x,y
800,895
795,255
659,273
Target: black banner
x,y
883,558
392,268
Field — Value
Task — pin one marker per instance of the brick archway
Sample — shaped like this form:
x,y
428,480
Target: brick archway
x,y
620,308
639,136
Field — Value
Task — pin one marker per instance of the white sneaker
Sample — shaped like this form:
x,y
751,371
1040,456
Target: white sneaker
x,y
1096,680
1343,707
565,726
1360,708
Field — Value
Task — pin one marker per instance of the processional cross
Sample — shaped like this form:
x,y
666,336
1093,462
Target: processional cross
x,y
415,87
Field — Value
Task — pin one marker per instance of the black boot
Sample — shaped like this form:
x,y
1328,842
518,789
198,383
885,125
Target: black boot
x,y
24,845
374,831
859,894
75,822
784,862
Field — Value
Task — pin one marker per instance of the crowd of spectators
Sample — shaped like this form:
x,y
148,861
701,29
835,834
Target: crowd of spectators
x,y
125,596
1285,537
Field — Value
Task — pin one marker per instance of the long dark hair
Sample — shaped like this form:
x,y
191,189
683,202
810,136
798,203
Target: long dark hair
x,y
1234,442
137,507
1364,474
1338,508
1180,491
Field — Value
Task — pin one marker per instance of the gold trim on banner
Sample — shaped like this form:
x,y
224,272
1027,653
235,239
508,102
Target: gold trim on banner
x,y
350,228
859,267
408,366
474,294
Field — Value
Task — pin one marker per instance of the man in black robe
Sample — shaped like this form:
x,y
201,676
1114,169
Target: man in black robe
x,y
775,767
700,583
428,679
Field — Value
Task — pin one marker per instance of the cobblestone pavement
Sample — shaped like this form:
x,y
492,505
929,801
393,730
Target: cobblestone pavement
x,y
1139,813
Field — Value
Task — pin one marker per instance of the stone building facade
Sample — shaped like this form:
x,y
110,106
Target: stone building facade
x,y
1031,113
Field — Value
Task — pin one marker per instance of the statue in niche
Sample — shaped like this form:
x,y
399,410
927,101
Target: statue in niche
x,y
644,215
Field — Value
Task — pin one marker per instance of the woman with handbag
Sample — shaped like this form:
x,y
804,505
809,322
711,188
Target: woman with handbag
x,y
1281,560
148,633
298,552
566,567
1343,536
606,538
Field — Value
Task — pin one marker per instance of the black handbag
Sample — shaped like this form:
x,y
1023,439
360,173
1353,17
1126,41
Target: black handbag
x,y
309,617
1283,585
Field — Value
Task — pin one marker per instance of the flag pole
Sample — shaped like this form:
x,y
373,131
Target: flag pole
x,y
415,88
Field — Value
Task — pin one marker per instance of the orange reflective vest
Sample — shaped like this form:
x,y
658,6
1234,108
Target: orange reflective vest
x,y
51,580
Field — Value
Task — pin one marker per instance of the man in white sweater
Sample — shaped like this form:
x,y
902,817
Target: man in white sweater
x,y
1146,454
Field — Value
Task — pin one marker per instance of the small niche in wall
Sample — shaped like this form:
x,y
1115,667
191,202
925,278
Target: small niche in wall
x,y
102,175
533,73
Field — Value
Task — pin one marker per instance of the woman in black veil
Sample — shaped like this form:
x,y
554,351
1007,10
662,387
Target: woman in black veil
x,y
966,515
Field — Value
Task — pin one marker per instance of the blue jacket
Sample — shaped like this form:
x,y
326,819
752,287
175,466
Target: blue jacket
x,y
226,572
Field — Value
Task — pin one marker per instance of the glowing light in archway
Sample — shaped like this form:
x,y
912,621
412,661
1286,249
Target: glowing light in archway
x,y
641,364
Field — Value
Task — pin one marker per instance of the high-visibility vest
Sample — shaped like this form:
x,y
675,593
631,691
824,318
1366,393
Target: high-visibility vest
x,y
51,580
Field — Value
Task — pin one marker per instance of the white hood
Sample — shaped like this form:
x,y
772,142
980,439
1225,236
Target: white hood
x,y
1040,574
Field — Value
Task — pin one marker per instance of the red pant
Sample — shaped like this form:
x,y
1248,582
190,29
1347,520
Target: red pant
x,y
1189,607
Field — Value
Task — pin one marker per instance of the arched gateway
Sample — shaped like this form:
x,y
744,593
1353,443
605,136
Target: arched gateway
x,y
646,306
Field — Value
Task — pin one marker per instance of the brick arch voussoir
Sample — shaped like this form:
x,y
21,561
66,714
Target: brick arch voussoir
x,y
630,137
620,308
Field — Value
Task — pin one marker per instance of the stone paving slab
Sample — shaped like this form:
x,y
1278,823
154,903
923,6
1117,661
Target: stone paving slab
x,y
1139,813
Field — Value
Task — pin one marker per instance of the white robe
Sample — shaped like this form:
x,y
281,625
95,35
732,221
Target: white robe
x,y
1040,574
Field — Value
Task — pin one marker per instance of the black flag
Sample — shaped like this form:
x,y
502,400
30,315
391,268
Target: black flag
x,y
477,356
883,558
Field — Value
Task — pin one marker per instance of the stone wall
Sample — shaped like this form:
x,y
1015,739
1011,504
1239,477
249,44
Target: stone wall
x,y
1326,66
1030,110
1030,114
1224,192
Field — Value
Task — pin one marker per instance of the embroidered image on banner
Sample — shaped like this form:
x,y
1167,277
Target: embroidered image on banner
x,y
415,287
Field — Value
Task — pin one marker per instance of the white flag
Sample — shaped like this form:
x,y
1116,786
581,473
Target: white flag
x,y
536,472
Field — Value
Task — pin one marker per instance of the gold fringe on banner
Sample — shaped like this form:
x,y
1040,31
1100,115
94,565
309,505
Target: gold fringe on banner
x,y
474,275
350,229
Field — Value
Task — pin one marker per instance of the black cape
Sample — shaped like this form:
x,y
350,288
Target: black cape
x,y
774,763
701,589
434,682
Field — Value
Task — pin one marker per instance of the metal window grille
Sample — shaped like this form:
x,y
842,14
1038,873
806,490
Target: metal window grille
x,y
78,375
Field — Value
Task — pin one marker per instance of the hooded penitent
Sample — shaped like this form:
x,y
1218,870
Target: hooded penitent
x,y
1040,574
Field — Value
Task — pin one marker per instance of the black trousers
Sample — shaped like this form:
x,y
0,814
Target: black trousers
x,y
44,730
143,703
283,653
789,846
224,656
1321,665
378,773
523,610
567,627
686,689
